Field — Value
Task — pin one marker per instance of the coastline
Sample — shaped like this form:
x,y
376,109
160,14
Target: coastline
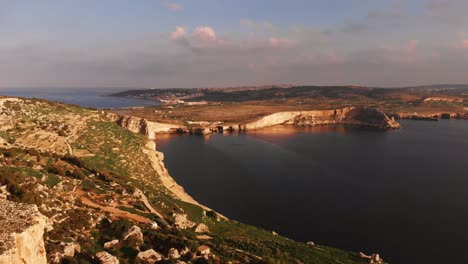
x,y
157,162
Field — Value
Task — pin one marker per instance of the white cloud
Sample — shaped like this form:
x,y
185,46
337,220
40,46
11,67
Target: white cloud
x,y
204,34
173,6
279,42
178,33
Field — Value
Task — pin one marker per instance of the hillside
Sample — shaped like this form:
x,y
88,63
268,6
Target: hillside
x,y
106,196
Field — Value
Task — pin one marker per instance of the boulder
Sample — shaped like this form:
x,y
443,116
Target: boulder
x,y
310,243
202,228
133,237
148,257
181,221
114,244
173,254
204,250
106,258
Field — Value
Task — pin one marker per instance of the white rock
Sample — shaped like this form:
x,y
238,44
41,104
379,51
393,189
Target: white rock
x,y
133,237
106,258
148,257
173,254
202,228
111,244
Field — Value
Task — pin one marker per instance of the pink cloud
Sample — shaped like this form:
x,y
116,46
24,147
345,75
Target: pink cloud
x,y
411,46
465,43
204,34
280,42
178,33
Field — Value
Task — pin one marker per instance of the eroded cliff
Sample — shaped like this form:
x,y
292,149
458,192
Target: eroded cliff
x,y
369,117
21,234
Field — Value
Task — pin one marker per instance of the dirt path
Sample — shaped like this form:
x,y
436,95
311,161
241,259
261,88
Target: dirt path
x,y
149,206
70,149
123,214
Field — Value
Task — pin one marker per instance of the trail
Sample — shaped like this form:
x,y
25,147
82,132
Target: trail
x,y
70,149
149,206
123,214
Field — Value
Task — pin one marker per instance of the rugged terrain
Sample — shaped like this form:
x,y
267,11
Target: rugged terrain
x,y
101,194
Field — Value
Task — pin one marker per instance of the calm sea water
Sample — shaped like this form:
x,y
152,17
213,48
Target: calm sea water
x,y
401,193
88,97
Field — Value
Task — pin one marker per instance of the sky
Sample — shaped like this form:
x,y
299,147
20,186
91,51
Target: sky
x,y
213,43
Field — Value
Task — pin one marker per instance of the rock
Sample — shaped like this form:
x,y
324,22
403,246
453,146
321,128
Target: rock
x,y
154,226
114,244
148,257
202,228
185,251
21,233
375,258
204,250
173,254
274,233
133,237
106,258
181,221
310,243
69,249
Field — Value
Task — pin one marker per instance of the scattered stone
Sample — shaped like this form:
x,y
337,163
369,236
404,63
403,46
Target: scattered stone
x,y
173,254
148,257
133,237
106,258
114,244
202,228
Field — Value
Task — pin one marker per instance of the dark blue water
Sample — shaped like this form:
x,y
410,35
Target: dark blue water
x,y
87,97
401,193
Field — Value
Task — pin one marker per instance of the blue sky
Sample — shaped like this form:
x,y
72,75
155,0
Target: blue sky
x,y
205,43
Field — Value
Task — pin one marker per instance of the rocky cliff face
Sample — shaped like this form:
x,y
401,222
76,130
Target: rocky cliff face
x,y
141,125
369,117
359,116
21,234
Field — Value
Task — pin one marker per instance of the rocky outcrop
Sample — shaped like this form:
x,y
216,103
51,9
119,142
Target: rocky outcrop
x,y
142,126
21,234
362,116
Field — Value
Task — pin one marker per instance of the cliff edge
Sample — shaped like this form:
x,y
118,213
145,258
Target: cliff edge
x,y
359,116
21,234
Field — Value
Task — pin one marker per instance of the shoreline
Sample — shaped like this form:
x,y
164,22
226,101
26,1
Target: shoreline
x,y
157,162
